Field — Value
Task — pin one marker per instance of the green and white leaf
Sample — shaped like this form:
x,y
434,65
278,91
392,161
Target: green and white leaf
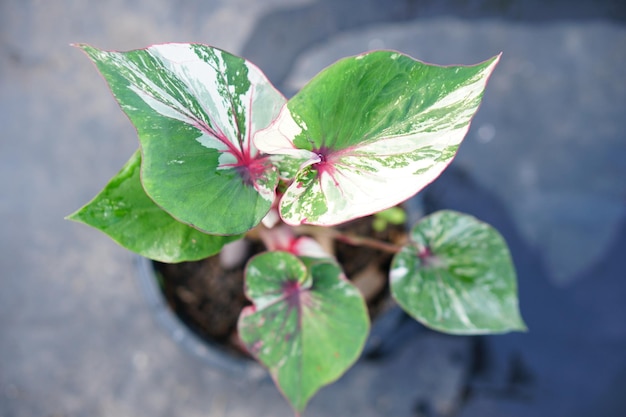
x,y
371,131
123,211
196,109
456,275
308,324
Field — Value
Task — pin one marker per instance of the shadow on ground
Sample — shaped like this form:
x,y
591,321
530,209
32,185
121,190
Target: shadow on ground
x,y
548,370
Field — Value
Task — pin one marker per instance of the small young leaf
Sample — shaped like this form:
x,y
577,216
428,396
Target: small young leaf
x,y
371,131
123,211
456,276
308,324
196,109
393,215
283,238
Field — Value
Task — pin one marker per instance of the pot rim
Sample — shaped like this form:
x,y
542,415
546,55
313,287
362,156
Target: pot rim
x,y
210,353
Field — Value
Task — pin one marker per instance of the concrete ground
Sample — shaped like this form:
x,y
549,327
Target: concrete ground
x,y
545,162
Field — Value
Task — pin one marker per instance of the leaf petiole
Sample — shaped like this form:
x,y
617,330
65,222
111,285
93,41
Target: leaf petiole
x,y
349,238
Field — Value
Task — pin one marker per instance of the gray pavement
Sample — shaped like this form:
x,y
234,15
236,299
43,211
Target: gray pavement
x,y
545,161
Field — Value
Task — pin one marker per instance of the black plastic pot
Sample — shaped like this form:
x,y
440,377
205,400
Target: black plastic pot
x,y
388,334
211,354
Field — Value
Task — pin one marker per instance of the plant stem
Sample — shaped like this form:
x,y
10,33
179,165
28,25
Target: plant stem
x,y
349,238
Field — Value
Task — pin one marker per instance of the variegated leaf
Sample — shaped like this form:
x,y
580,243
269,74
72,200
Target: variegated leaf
x,y
308,323
196,109
371,131
123,211
456,276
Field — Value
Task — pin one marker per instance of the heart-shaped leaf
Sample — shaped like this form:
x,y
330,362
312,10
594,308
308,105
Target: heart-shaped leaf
x,y
196,109
123,211
371,131
308,324
456,276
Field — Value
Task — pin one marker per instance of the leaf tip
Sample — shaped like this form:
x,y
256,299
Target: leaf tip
x,y
520,327
493,62
87,49
79,45
75,217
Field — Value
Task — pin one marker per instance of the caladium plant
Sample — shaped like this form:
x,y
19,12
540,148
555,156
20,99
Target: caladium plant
x,y
223,155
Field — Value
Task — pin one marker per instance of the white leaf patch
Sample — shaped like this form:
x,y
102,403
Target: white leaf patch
x,y
214,113
277,138
380,171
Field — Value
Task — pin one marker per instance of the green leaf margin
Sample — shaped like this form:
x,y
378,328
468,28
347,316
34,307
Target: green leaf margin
x,y
456,275
304,348
124,212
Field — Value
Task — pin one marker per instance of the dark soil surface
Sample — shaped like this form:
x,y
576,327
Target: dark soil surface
x,y
209,298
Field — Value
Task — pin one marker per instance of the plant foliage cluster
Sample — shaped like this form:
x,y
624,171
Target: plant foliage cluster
x,y
222,153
